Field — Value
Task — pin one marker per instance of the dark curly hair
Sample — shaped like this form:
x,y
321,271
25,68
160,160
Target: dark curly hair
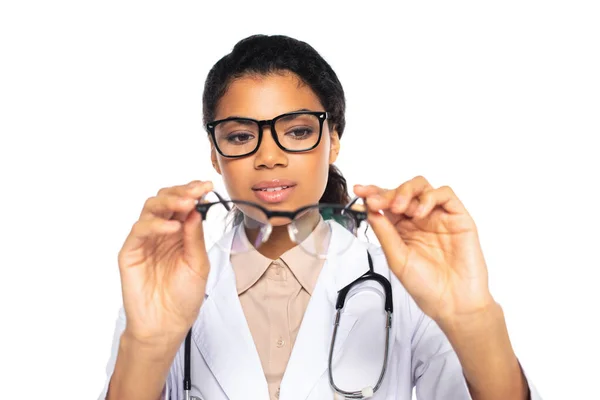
x,y
263,55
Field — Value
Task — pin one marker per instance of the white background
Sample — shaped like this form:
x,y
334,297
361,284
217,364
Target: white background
x,y
100,106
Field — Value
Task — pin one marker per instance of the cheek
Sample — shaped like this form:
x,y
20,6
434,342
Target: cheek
x,y
315,169
234,174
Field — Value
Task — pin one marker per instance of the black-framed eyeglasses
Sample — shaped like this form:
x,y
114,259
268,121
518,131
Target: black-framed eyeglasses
x,y
293,132
216,214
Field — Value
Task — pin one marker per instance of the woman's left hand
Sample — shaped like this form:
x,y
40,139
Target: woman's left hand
x,y
432,246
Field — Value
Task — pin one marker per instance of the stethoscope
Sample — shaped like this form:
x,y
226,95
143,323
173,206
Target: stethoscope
x,y
366,392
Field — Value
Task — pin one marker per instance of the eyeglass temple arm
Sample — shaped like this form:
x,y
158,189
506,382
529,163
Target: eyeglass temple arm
x,y
354,200
218,196
202,208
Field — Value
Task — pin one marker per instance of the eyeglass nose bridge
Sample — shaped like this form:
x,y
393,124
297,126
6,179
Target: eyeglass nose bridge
x,y
271,124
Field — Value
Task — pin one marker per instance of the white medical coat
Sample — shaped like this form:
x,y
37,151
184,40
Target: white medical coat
x,y
226,365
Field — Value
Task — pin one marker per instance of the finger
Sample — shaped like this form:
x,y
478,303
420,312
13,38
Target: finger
x,y
165,206
181,190
175,202
194,190
143,229
443,197
406,193
412,207
367,190
193,243
377,198
394,248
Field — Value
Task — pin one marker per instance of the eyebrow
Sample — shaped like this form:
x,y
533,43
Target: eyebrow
x,y
240,117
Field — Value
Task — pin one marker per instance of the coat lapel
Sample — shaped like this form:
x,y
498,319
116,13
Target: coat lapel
x,y
309,359
222,335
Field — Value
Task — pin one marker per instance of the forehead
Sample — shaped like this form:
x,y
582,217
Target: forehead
x,y
265,97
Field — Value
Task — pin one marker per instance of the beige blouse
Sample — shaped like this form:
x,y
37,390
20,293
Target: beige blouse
x,y
274,295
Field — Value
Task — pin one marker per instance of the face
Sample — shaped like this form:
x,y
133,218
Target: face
x,y
294,179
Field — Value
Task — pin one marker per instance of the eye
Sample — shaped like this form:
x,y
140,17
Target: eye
x,y
239,137
300,132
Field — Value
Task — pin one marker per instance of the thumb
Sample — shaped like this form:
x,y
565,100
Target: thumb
x,y
394,248
194,246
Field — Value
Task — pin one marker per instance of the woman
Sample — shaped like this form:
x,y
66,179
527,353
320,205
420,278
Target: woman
x,y
261,318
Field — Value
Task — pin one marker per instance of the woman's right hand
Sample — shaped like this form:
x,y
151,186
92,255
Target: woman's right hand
x,y
164,266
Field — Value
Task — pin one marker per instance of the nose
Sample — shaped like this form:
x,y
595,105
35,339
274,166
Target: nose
x,y
269,155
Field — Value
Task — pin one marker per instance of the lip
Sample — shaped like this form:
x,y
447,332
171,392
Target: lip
x,y
274,196
273,184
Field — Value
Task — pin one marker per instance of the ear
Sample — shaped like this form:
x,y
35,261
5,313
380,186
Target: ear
x,y
213,157
334,147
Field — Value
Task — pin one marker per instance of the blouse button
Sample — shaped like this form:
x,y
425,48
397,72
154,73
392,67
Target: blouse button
x,y
280,342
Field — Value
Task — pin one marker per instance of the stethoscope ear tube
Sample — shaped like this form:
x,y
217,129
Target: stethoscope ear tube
x,y
368,276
